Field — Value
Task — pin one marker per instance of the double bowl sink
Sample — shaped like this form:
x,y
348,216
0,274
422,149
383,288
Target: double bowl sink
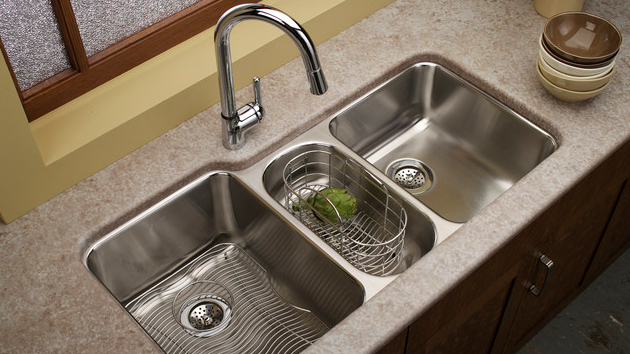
x,y
236,262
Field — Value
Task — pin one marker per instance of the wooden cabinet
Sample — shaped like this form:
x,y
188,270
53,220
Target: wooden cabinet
x,y
494,310
468,319
616,238
568,234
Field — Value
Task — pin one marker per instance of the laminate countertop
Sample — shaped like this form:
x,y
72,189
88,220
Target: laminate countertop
x,y
49,302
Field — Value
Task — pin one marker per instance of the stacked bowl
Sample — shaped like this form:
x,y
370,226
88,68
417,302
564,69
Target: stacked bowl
x,y
577,55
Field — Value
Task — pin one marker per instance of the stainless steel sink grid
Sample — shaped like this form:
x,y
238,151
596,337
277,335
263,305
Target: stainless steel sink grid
x,y
476,146
214,269
372,240
261,321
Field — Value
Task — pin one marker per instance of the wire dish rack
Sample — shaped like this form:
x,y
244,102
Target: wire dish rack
x,y
244,314
373,238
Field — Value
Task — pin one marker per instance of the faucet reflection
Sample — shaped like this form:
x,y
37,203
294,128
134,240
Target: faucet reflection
x,y
236,123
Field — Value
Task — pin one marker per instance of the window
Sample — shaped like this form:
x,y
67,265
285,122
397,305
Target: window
x,y
61,49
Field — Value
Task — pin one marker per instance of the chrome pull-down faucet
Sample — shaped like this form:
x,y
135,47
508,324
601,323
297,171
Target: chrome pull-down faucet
x,y
236,122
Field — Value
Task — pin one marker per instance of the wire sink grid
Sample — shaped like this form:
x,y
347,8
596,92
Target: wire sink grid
x,y
247,315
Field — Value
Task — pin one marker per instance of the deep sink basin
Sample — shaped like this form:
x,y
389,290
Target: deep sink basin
x,y
213,268
428,124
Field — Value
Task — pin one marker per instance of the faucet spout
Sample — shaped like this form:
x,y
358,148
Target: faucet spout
x,y
237,122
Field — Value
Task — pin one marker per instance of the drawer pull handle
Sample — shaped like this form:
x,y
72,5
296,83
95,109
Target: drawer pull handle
x,y
548,263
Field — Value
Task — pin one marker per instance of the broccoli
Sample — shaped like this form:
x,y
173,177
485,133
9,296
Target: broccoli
x,y
345,204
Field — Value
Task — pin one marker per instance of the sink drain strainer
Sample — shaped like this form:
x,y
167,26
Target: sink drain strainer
x,y
206,315
203,308
411,174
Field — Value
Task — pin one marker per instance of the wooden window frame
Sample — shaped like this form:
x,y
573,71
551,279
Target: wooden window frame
x,y
87,73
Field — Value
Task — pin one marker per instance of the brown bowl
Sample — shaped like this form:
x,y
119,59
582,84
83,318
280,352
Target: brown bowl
x,y
582,38
556,56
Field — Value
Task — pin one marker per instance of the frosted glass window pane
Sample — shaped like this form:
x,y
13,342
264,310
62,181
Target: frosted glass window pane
x,y
107,22
30,35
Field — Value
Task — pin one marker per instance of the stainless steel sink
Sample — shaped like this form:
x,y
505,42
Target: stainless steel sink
x,y
230,264
453,147
214,268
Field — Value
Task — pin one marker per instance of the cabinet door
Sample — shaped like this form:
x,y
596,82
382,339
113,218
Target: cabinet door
x,y
616,238
471,332
570,231
469,318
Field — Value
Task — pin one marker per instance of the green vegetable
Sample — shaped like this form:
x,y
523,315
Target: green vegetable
x,y
345,204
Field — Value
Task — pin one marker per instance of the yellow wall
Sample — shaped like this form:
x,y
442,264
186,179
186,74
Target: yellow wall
x,y
39,160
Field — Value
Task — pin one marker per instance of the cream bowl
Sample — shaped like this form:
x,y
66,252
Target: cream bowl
x,y
571,69
545,64
574,83
564,94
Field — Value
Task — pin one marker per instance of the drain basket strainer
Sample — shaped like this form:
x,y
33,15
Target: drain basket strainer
x,y
206,314
411,174
203,308
373,238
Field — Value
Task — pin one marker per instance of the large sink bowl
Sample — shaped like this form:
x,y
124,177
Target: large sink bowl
x,y
214,269
362,240
453,147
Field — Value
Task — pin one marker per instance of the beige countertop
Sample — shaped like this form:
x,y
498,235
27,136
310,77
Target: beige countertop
x,y
49,302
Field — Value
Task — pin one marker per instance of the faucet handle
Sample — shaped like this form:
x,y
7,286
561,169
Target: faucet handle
x,y
257,104
257,96
252,113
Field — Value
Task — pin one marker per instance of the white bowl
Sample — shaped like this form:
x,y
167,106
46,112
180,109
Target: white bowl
x,y
574,83
570,69
564,94
564,76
